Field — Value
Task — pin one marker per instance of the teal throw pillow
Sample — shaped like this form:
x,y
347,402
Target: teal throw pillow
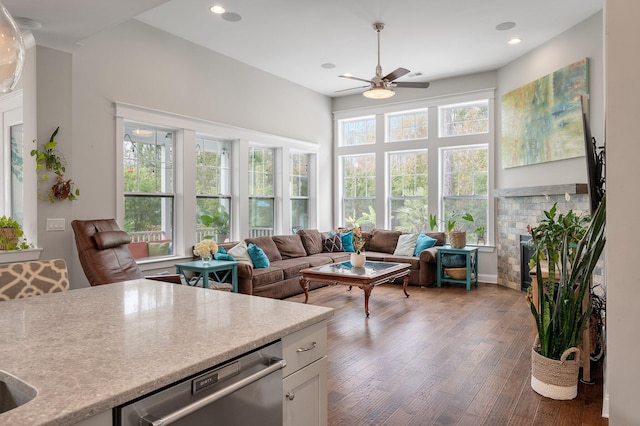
x,y
347,241
424,242
223,255
259,259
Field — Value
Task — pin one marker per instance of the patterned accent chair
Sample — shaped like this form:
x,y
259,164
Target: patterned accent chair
x,y
25,279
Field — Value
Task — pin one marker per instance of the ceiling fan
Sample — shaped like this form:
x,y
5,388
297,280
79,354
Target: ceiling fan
x,y
381,87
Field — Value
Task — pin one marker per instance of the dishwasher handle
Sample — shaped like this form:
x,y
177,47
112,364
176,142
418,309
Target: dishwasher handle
x,y
151,420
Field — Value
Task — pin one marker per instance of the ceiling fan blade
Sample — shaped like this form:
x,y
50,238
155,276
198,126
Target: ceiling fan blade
x,y
396,74
354,78
415,85
352,88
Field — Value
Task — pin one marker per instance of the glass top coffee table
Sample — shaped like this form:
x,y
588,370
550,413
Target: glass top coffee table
x,y
365,277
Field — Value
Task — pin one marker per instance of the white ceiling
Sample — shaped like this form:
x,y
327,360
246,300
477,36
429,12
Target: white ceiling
x,y
293,38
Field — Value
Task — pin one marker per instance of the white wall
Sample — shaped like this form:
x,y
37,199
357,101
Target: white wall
x,y
623,204
583,40
138,64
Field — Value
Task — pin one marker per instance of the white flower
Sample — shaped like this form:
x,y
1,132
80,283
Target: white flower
x,y
205,248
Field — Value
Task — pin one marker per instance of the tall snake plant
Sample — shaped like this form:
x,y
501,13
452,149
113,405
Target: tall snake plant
x,y
571,250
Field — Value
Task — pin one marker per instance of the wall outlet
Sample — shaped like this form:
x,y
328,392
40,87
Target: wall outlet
x,y
55,224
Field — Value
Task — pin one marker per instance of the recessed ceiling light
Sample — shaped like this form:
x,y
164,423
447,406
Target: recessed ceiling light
x,y
504,26
217,9
515,40
328,65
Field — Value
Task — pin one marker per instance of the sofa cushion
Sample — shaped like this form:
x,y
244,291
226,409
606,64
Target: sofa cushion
x,y
259,259
318,259
157,248
139,249
406,245
291,267
289,246
332,244
266,276
414,261
311,240
267,245
440,237
423,242
384,241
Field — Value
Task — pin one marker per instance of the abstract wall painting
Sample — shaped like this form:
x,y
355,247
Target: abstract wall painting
x,y
542,120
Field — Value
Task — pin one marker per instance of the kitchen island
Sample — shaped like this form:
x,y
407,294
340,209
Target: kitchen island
x,y
89,350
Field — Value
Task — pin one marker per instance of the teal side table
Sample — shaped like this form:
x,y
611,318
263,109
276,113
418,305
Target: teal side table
x,y
219,268
471,255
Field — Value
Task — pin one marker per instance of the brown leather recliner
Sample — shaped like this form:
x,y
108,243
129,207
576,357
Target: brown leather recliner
x,y
104,255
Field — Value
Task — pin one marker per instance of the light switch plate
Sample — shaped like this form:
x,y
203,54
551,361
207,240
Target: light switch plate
x,y
55,224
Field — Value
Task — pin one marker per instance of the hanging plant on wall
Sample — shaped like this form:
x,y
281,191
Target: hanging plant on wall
x,y
50,165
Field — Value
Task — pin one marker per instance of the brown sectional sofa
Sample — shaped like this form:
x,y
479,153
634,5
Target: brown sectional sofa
x,y
289,254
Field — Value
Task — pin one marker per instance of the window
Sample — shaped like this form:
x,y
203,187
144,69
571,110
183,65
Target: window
x,y
148,186
359,191
213,189
299,192
408,189
465,187
12,158
359,131
386,183
408,125
464,119
261,192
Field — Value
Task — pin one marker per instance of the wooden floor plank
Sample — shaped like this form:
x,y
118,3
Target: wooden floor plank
x,y
440,357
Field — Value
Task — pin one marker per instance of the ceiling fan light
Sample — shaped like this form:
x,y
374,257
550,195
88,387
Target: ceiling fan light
x,y
11,51
379,93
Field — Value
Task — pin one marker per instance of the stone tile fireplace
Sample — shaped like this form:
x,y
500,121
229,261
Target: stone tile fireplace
x,y
518,207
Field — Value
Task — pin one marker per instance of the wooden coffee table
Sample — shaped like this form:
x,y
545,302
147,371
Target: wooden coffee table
x,y
366,277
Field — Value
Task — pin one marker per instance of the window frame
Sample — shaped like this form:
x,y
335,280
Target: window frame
x,y
297,197
433,143
188,128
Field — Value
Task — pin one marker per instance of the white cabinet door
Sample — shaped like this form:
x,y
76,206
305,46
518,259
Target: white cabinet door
x,y
305,396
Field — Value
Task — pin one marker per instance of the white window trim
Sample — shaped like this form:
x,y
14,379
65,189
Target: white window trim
x,y
433,144
188,127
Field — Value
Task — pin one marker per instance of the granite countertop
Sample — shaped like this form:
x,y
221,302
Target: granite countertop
x,y
89,350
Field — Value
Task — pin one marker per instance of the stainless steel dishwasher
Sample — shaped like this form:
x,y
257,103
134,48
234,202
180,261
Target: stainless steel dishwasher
x,y
244,391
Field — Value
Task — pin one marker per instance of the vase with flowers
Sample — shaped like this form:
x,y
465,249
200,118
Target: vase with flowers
x,y
357,258
205,249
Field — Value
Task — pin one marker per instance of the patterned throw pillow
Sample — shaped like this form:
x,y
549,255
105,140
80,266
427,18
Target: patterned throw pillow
x,y
332,244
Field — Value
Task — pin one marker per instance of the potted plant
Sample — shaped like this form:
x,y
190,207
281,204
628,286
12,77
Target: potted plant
x,y
12,235
357,258
570,246
457,236
48,161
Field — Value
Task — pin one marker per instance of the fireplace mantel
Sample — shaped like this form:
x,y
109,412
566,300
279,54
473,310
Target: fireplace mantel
x,y
533,191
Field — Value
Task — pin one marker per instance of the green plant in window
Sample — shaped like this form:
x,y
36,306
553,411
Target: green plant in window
x,y
218,221
49,164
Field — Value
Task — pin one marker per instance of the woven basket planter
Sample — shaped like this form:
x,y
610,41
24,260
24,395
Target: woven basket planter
x,y
552,378
458,239
9,236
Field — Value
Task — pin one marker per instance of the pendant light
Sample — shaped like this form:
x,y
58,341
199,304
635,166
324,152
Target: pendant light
x,y
11,52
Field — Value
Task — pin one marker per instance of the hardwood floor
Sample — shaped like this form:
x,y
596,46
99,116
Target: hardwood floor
x,y
440,357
